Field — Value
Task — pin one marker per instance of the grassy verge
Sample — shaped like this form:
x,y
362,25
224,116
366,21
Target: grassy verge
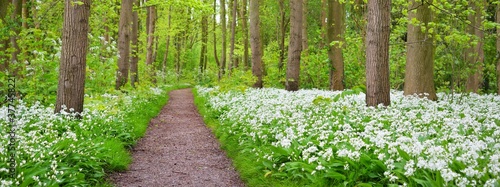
x,y
61,150
245,162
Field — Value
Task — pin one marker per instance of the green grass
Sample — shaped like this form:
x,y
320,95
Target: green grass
x,y
117,155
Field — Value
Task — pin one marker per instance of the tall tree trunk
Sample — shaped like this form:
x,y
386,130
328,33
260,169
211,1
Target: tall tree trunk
x,y
324,26
335,38
165,55
498,49
204,41
216,56
233,33
222,4
134,37
24,14
419,76
151,24
16,28
282,35
244,26
255,43
295,46
377,53
155,49
475,54
124,43
178,41
304,26
71,86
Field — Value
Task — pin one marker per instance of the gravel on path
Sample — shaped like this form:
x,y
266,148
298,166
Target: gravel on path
x,y
178,150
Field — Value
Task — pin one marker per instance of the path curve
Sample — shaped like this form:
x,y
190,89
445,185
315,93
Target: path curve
x,y
178,150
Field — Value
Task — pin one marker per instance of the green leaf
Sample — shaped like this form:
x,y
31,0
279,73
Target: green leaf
x,y
334,175
364,185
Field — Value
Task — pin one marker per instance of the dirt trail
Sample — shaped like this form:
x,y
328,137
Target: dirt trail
x,y
178,150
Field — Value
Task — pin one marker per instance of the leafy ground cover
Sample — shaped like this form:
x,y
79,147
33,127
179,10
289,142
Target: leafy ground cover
x,y
61,150
323,138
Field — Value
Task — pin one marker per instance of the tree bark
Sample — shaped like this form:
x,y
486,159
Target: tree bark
x,y
335,34
165,55
222,4
16,28
323,19
204,41
25,13
304,26
232,62
282,35
475,54
71,86
377,53
134,61
124,43
151,24
216,56
295,46
244,26
419,76
255,43
178,43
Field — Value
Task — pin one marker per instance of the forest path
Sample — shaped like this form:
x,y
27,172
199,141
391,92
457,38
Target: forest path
x,y
178,150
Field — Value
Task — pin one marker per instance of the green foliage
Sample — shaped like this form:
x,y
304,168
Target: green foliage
x,y
60,150
239,80
243,159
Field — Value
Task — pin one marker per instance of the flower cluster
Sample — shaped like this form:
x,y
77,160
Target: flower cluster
x,y
452,141
61,149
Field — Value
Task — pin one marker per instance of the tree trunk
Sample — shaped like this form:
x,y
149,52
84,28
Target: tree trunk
x,y
124,43
419,76
134,61
16,18
151,31
233,33
222,4
475,54
335,34
377,53
498,49
282,35
304,26
255,43
204,41
244,26
295,46
324,26
216,56
178,41
165,55
71,86
25,13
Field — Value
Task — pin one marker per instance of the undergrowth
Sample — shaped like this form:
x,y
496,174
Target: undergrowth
x,y
243,160
62,150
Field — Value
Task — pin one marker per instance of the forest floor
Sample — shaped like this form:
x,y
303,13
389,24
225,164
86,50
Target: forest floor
x,y
178,149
